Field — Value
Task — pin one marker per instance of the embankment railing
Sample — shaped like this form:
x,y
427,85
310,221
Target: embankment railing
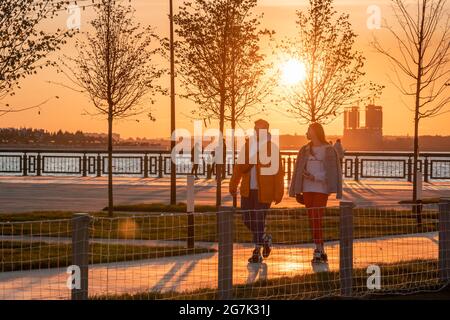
x,y
356,165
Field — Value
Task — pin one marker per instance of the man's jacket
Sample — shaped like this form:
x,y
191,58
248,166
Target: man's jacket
x,y
270,187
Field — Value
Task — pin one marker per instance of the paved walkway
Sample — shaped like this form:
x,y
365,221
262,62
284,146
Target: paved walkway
x,y
23,194
200,271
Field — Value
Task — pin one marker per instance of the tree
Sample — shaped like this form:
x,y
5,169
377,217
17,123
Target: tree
x,y
333,69
220,63
24,45
423,43
114,67
249,82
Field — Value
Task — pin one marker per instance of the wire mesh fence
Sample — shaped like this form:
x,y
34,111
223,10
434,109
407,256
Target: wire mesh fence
x,y
33,259
370,251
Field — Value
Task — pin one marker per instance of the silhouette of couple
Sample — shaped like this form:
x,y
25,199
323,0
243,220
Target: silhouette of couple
x,y
316,175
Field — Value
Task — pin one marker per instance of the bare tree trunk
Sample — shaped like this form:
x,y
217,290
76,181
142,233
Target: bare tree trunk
x,y
233,94
416,145
219,167
233,106
416,115
416,168
233,137
110,170
110,112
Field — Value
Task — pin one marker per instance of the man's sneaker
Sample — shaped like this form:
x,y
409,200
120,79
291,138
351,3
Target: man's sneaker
x,y
267,247
319,257
256,256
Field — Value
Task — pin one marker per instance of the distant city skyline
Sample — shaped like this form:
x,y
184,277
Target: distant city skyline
x,y
353,141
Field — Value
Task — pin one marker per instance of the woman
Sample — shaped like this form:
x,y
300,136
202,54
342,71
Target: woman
x,y
317,174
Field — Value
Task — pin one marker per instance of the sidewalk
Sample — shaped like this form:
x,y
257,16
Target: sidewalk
x,y
23,194
200,271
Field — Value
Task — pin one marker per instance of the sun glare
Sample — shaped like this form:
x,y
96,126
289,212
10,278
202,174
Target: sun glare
x,y
293,71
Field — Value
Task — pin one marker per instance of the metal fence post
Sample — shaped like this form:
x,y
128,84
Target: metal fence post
x,y
444,239
84,173
38,165
346,247
80,253
146,166
190,211
25,164
289,172
160,166
225,223
425,170
409,169
208,171
99,165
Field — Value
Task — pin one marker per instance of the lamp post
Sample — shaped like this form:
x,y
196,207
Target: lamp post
x,y
173,167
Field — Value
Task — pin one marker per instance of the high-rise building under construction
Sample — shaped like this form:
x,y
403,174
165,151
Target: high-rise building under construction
x,y
368,136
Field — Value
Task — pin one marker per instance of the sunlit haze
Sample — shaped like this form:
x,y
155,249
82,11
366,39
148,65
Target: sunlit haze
x,y
72,110
293,72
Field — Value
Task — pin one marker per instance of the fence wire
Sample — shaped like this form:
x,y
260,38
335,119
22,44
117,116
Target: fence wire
x,y
184,256
33,260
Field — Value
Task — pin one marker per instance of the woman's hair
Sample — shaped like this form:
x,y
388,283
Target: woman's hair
x,y
320,134
318,130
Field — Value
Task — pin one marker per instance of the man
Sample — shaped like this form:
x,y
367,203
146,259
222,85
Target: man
x,y
258,189
340,150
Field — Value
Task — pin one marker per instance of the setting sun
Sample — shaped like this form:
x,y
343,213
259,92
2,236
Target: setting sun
x,y
293,71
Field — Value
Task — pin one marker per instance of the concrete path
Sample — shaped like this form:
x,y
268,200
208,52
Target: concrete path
x,y
24,194
200,271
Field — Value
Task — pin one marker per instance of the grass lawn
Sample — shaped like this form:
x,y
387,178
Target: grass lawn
x,y
288,226
399,278
21,256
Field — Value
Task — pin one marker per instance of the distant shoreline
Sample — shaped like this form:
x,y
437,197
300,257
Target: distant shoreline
x,y
77,147
103,148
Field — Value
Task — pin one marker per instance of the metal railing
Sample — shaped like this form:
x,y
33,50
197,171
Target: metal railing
x,y
356,165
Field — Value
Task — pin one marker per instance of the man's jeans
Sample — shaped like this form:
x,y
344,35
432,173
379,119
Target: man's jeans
x,y
254,216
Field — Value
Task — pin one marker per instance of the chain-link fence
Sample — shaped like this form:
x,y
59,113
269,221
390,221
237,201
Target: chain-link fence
x,y
370,250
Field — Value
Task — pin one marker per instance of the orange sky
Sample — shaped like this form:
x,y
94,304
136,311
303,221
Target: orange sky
x,y
67,112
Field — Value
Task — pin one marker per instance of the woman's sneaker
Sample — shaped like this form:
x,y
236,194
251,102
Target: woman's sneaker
x,y
267,247
256,256
319,257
